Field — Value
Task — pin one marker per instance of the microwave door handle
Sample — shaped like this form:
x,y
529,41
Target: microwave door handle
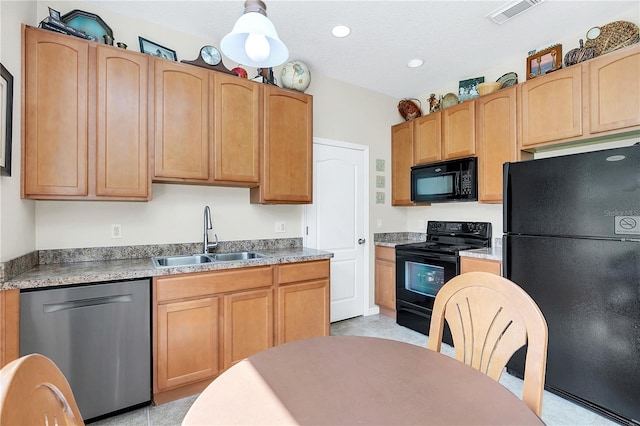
x,y
457,185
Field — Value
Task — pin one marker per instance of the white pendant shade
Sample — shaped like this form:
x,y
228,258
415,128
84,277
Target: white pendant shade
x,y
263,50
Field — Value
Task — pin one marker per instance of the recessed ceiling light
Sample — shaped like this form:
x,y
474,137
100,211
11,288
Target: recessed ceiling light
x,y
341,31
415,63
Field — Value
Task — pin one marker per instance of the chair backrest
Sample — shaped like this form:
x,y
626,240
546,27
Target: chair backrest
x,y
491,318
33,391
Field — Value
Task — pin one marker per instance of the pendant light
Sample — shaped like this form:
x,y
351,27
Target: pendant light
x,y
253,41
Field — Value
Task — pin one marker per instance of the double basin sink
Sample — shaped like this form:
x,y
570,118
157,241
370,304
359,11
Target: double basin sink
x,y
199,259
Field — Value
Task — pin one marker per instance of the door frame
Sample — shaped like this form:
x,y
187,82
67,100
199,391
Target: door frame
x,y
366,308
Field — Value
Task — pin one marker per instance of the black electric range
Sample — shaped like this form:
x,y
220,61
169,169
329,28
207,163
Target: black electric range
x,y
423,268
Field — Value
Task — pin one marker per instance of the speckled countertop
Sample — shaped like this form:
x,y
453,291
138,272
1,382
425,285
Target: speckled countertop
x,y
392,239
99,270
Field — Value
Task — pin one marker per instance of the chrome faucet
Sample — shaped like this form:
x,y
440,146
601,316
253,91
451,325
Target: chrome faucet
x,y
207,226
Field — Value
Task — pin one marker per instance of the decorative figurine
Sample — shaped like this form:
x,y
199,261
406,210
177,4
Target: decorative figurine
x,y
267,76
434,104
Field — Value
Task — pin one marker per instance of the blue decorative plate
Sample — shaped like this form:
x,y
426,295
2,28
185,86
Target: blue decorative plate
x,y
90,23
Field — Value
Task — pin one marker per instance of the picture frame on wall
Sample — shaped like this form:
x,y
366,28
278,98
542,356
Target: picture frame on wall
x,y
6,120
544,62
154,49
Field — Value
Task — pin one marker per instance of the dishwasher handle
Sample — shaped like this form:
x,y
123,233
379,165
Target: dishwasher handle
x,y
83,303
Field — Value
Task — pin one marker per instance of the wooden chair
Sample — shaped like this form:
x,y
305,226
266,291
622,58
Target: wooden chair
x,y
491,318
33,391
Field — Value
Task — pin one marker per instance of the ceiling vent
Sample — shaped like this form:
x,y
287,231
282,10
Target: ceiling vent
x,y
511,10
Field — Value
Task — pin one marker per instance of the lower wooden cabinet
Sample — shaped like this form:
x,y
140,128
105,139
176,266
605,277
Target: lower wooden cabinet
x,y
205,322
385,280
472,264
187,342
248,324
9,326
303,301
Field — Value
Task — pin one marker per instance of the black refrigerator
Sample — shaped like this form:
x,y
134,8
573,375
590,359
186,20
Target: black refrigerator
x,y
572,241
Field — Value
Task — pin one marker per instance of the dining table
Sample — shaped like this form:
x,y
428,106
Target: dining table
x,y
355,380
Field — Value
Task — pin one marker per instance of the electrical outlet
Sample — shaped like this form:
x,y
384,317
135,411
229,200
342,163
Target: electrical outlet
x,y
280,228
379,223
116,230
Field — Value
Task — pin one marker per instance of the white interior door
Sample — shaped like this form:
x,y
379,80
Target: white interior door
x,y
337,222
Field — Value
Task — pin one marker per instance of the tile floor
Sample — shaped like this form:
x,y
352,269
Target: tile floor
x,y
556,410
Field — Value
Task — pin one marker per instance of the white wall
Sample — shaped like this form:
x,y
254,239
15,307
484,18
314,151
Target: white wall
x,y
341,112
17,216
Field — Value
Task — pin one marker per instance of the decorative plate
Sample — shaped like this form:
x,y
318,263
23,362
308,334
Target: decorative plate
x,y
509,79
450,99
90,23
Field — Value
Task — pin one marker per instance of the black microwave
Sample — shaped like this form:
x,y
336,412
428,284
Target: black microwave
x,y
446,181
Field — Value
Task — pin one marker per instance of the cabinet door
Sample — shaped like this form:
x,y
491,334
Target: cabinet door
x,y
401,162
385,280
9,326
303,311
427,136
497,143
458,131
248,324
187,342
287,163
237,129
551,107
54,154
182,134
614,90
121,134
470,264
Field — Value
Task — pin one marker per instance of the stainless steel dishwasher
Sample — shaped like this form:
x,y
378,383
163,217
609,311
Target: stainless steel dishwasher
x,y
99,335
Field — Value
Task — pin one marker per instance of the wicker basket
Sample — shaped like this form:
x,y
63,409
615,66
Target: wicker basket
x,y
409,109
613,36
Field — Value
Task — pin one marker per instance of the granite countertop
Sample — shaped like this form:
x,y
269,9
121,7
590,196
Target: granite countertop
x,y
55,274
490,253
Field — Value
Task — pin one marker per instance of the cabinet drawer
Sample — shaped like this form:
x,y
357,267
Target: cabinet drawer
x,y
386,253
296,272
206,283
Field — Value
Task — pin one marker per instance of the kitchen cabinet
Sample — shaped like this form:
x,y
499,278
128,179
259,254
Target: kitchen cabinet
x,y
496,140
85,120
303,302
401,162
458,131
551,107
9,326
286,156
614,91
248,324
182,135
236,148
427,138
385,280
200,321
206,126
473,264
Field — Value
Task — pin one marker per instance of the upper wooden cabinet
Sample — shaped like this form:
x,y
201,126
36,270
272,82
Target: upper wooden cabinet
x,y
182,134
496,140
236,153
207,126
401,162
596,98
427,138
551,107
85,121
614,91
458,131
286,154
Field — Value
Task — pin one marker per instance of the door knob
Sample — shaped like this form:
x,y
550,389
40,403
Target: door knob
x,y
361,241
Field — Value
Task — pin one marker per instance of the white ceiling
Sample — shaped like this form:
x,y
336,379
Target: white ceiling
x,y
455,38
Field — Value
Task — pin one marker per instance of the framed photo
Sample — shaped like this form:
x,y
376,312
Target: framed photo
x,y
6,120
544,62
154,49
468,89
54,14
